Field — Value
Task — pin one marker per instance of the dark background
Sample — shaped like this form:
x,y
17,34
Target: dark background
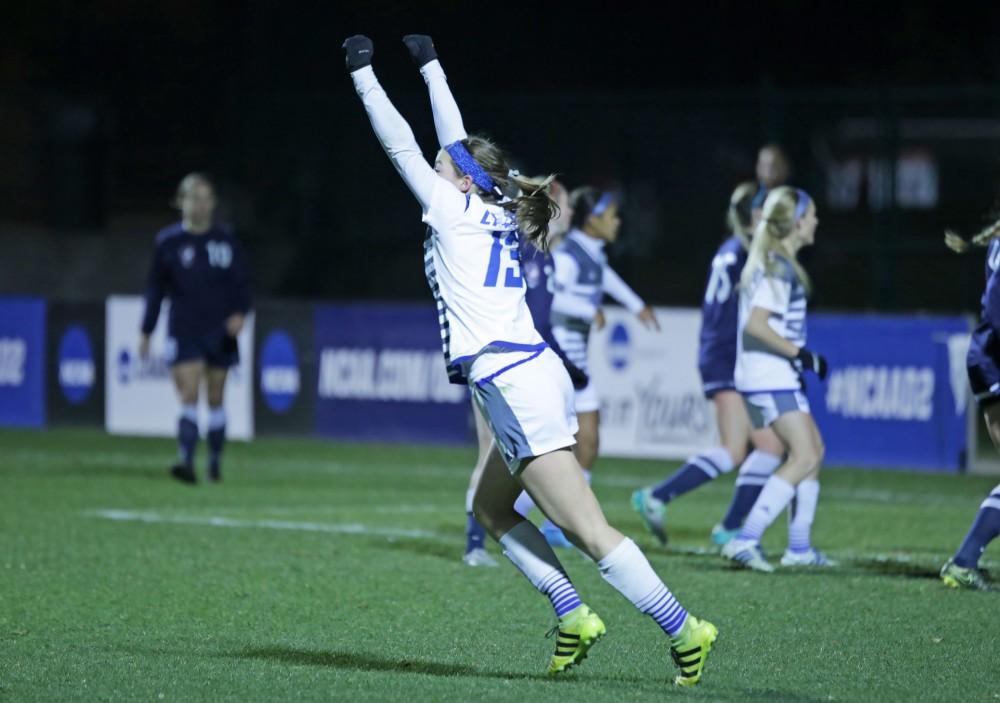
x,y
104,106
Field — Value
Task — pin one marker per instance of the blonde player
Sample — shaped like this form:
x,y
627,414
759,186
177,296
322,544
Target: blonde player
x,y
770,359
521,387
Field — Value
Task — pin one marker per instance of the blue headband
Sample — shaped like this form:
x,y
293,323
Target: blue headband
x,y
803,203
471,168
605,201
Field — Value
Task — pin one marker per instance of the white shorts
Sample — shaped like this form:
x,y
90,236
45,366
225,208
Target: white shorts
x,y
587,400
529,408
765,408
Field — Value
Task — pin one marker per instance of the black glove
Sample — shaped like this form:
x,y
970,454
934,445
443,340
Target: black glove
x,y
359,50
421,48
576,375
811,361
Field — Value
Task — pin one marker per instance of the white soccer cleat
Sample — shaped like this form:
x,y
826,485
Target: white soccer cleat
x,y
812,557
746,553
479,557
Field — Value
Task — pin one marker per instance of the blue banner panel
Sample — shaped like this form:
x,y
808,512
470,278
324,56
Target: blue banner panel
x,y
22,362
381,376
897,394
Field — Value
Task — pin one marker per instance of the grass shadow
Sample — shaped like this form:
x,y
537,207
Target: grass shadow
x,y
358,661
363,661
888,567
353,660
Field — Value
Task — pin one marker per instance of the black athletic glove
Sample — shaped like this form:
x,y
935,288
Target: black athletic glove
x,y
576,375
359,50
421,48
811,361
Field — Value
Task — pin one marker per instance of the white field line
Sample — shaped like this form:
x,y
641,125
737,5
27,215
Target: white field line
x,y
926,559
154,517
411,471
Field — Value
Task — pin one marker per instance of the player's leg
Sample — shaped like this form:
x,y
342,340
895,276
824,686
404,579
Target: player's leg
x,y
579,627
187,377
962,570
753,474
787,413
734,435
216,388
475,535
533,421
560,490
802,514
588,440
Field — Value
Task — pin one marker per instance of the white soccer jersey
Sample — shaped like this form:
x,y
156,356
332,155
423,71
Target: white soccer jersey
x,y
472,266
582,277
757,367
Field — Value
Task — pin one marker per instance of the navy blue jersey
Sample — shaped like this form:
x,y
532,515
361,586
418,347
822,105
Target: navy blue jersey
x,y
990,303
204,275
983,360
720,309
536,268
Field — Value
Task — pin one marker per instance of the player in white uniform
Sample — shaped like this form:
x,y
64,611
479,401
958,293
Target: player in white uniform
x,y
521,386
770,359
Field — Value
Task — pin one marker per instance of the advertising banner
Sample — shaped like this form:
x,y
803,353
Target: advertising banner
x,y
140,396
381,376
75,361
897,394
22,362
285,377
652,403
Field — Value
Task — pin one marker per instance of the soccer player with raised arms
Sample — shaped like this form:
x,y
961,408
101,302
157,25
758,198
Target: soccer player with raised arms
x,y
201,267
521,386
770,358
983,363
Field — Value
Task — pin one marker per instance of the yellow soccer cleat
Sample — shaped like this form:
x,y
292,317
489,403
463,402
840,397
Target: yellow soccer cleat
x,y
577,631
690,649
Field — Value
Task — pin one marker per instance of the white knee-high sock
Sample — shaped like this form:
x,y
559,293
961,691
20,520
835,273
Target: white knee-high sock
x,y
627,569
525,546
469,498
802,515
777,494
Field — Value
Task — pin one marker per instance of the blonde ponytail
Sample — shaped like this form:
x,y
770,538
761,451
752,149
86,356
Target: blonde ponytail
x,y
739,216
957,244
777,222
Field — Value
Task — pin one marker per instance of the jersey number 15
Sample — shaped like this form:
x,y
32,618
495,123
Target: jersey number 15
x,y
512,268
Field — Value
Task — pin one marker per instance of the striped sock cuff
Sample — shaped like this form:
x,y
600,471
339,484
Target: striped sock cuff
x,y
560,592
668,613
992,500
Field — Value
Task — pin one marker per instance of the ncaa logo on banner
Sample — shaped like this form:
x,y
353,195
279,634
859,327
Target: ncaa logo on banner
x,y
77,372
619,347
280,379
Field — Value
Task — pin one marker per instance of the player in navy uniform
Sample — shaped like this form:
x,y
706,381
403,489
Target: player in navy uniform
x,y
201,267
717,365
983,361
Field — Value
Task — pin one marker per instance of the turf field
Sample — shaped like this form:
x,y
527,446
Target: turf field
x,y
323,571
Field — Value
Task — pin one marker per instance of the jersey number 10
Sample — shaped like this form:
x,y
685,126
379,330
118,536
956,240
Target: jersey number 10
x,y
512,269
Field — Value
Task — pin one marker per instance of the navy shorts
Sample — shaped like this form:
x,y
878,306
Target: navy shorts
x,y
218,350
982,366
717,376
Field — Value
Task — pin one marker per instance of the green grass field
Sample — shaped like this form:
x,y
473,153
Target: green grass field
x,y
323,571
